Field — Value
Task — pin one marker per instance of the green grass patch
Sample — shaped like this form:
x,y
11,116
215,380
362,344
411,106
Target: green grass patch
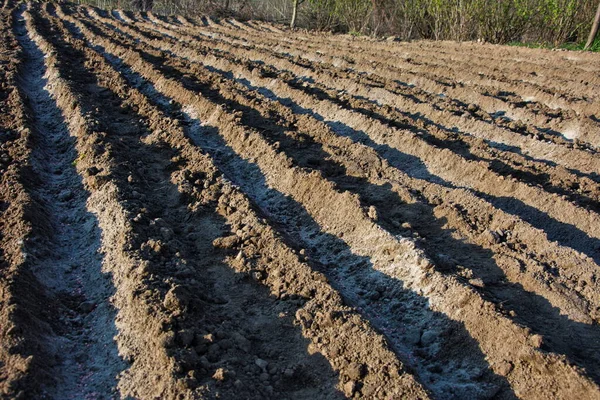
x,y
567,46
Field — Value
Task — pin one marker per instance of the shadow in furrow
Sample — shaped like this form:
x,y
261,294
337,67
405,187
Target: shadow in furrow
x,y
563,233
517,150
453,142
65,255
115,14
422,338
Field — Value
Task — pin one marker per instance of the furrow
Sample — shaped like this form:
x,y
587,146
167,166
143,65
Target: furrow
x,y
501,105
374,312
505,58
546,76
65,255
390,256
522,70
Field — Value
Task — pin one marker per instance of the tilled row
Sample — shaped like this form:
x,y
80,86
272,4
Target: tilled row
x,y
347,221
546,80
504,294
584,61
424,223
165,301
20,291
506,163
64,252
304,105
403,70
412,98
443,115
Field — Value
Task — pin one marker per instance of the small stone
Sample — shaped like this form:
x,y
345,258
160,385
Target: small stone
x,y
537,341
238,384
504,368
478,282
65,195
220,374
262,364
372,213
355,371
172,301
185,337
492,236
155,246
264,377
258,275
158,222
428,337
208,338
87,307
227,242
349,388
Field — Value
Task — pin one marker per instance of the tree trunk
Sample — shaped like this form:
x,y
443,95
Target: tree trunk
x,y
594,30
294,14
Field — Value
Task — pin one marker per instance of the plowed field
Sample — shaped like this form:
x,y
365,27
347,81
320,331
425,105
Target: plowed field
x,y
225,209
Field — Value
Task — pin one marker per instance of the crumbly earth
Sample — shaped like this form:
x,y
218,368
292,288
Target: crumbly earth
x,y
225,209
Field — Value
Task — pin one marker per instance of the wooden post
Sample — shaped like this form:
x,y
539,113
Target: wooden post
x,y
294,14
594,30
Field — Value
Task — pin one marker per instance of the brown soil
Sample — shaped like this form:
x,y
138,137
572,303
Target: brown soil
x,y
226,209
